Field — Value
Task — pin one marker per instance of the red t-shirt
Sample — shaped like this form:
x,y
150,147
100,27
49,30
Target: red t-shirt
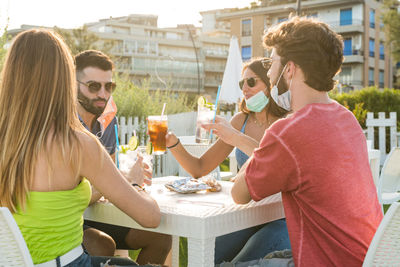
x,y
318,159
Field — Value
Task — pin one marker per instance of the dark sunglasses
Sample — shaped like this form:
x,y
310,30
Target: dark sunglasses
x,y
251,82
94,87
266,63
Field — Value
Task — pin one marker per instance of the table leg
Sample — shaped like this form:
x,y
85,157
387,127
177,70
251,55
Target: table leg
x,y
175,251
201,252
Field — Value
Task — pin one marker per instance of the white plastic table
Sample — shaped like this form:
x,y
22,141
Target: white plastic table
x,y
200,217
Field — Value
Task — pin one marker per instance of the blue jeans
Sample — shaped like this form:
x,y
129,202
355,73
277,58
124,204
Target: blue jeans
x,y
252,243
86,260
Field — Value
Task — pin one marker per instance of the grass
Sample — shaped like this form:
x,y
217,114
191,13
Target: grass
x,y
183,257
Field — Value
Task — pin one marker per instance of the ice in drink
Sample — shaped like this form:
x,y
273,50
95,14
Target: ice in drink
x,y
158,127
205,114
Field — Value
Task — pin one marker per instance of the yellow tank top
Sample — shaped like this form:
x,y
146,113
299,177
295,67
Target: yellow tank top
x,y
52,222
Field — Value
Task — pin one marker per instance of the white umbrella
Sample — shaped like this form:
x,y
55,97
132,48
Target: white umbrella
x,y
230,90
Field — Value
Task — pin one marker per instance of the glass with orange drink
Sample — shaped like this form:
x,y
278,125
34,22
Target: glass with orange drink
x,y
158,127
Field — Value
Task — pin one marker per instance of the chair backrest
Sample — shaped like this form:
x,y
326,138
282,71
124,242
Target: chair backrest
x,y
384,249
389,181
198,150
382,122
13,249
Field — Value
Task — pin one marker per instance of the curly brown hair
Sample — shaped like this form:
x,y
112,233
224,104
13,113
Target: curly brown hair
x,y
311,45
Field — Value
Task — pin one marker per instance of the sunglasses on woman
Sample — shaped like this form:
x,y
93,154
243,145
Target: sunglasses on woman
x,y
94,87
251,82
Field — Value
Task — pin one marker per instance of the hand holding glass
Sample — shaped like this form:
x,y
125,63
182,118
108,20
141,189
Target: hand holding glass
x,y
205,114
158,127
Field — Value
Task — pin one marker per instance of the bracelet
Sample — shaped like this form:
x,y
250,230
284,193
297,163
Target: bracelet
x,y
169,147
139,187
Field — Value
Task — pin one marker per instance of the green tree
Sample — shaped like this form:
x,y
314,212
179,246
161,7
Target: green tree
x,y
81,39
391,20
3,41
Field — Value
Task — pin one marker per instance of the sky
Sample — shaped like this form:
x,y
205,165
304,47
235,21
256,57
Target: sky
x,y
74,13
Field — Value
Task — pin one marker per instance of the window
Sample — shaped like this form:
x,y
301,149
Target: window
x,y
345,75
372,18
347,50
246,27
246,53
381,51
371,47
381,79
346,16
371,78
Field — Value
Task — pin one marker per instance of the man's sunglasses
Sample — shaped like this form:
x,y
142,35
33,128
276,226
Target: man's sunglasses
x,y
94,87
266,63
251,82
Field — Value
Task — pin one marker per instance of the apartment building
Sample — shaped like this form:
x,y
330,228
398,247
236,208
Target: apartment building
x,y
182,59
367,61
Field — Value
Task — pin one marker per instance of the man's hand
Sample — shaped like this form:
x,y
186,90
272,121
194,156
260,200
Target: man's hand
x,y
140,172
223,129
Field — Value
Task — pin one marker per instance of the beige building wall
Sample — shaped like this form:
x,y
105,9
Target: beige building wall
x,y
366,46
258,32
236,28
360,64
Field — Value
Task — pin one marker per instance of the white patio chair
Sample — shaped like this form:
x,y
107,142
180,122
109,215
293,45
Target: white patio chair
x,y
384,249
13,249
389,181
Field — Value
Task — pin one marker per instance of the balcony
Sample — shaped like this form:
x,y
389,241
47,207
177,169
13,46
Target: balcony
x,y
215,53
214,68
346,26
353,56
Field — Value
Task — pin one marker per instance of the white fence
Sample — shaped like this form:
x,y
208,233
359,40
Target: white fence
x,y
377,130
181,124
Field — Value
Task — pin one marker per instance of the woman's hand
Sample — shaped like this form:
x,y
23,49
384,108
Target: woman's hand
x,y
223,129
171,139
140,172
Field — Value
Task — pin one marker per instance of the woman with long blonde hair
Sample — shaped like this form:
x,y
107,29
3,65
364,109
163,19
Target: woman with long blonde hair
x,y
46,153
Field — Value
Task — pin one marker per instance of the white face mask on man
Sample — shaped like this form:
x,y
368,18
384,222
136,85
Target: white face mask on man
x,y
284,100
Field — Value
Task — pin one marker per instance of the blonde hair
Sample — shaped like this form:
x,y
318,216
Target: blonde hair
x,y
37,104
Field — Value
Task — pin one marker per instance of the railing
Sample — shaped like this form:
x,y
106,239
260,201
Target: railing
x,y
353,52
345,22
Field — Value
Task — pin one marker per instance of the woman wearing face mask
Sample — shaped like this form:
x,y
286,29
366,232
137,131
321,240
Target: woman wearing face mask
x,y
257,112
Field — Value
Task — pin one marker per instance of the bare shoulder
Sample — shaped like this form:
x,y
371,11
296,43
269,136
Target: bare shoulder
x,y
88,142
238,120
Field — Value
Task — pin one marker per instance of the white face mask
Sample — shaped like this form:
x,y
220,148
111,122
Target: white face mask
x,y
283,100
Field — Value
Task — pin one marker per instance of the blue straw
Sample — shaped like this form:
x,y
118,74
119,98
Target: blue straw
x,y
116,139
216,108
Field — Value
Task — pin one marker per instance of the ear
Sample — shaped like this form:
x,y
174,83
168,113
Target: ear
x,y
290,69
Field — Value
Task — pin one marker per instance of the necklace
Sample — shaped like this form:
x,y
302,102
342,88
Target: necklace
x,y
261,124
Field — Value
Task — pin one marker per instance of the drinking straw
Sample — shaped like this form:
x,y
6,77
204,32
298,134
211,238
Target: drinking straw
x,y
134,132
216,108
163,109
117,142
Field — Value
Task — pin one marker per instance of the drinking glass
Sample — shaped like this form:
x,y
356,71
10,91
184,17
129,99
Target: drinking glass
x,y
158,127
147,159
205,114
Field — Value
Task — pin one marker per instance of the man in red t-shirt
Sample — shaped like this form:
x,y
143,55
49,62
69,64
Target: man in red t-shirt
x,y
317,157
